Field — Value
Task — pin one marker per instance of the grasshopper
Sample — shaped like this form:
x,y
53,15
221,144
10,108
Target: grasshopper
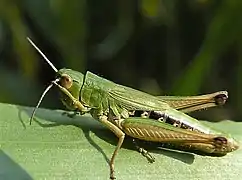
x,y
126,111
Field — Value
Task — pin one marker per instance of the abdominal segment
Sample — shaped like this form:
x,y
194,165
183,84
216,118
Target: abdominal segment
x,y
160,116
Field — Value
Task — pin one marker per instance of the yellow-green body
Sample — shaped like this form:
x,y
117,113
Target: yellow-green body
x,y
115,106
106,98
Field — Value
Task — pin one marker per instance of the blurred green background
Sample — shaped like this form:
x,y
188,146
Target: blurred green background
x,y
163,47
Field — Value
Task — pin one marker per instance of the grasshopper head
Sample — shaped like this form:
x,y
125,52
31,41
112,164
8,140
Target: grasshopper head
x,y
68,78
69,83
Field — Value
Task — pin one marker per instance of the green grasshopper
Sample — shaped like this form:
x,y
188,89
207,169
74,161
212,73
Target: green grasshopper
x,y
126,111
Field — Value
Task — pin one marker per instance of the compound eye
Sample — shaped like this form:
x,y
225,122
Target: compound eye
x,y
66,81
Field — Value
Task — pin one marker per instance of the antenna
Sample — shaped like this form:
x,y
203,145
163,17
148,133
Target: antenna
x,y
42,54
41,98
49,87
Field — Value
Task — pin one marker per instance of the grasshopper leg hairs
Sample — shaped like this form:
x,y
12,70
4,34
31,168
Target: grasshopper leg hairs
x,y
116,106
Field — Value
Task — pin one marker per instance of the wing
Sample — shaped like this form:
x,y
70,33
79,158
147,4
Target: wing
x,y
132,99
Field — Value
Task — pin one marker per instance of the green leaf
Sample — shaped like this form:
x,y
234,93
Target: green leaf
x,y
57,147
